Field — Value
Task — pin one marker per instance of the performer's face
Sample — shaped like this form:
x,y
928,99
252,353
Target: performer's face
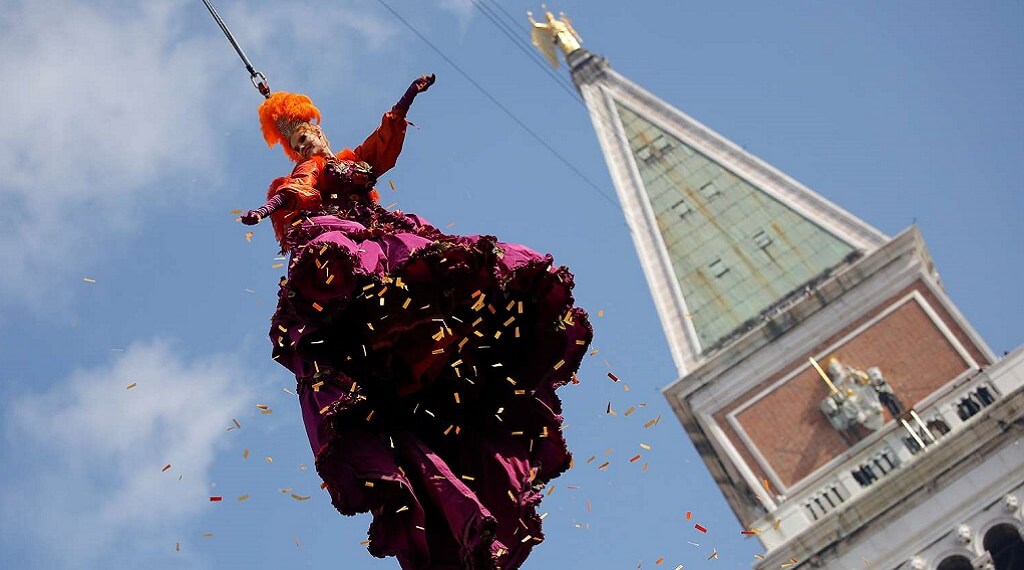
x,y
308,140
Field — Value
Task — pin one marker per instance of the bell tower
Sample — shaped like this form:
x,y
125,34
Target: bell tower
x,y
847,410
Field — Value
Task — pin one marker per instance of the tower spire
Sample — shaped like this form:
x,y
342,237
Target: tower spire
x,y
554,32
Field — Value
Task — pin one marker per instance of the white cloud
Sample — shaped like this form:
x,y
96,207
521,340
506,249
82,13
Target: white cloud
x,y
98,103
92,489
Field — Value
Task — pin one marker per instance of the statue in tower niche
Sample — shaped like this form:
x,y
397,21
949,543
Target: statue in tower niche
x,y
853,408
885,393
554,32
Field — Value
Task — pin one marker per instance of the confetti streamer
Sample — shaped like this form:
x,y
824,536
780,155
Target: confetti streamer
x,y
700,528
130,386
216,499
166,467
88,280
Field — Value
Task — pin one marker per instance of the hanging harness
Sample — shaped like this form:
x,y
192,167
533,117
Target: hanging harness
x,y
259,81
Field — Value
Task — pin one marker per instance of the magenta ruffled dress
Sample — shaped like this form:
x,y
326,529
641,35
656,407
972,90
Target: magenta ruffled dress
x,y
427,368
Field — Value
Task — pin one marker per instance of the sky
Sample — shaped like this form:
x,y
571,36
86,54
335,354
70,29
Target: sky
x,y
129,134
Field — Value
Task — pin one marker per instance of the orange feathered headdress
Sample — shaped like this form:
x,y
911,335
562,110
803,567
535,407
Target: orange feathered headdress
x,y
281,113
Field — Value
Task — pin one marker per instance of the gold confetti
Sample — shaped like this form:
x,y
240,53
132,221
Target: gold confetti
x,y
130,386
402,509
645,446
262,406
778,523
88,280
248,236
364,543
235,212
659,561
237,425
166,467
603,466
368,484
559,364
714,555
468,478
759,556
299,497
269,459
245,454
630,410
318,307
653,422
177,547
208,535
391,183
600,312
329,279
243,498
277,266
457,401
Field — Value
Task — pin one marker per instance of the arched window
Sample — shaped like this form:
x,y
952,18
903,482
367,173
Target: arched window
x,y
1004,543
955,562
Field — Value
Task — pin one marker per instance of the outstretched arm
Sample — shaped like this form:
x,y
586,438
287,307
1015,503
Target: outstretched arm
x,y
253,217
381,149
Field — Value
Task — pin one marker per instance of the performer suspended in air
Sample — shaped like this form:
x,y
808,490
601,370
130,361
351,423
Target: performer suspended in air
x,y
426,363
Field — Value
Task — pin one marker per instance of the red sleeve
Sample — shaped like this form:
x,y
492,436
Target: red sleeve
x,y
299,191
382,147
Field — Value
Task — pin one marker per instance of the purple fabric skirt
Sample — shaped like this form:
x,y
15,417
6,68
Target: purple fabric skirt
x,y
427,366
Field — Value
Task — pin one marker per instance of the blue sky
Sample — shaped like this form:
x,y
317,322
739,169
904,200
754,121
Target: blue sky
x,y
129,134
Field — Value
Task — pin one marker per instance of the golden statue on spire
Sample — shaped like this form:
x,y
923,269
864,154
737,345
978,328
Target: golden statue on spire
x,y
546,35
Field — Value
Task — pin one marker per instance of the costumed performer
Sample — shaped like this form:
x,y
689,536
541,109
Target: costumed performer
x,y
426,363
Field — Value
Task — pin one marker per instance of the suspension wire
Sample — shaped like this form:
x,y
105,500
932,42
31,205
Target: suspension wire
x,y
259,81
498,103
517,39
